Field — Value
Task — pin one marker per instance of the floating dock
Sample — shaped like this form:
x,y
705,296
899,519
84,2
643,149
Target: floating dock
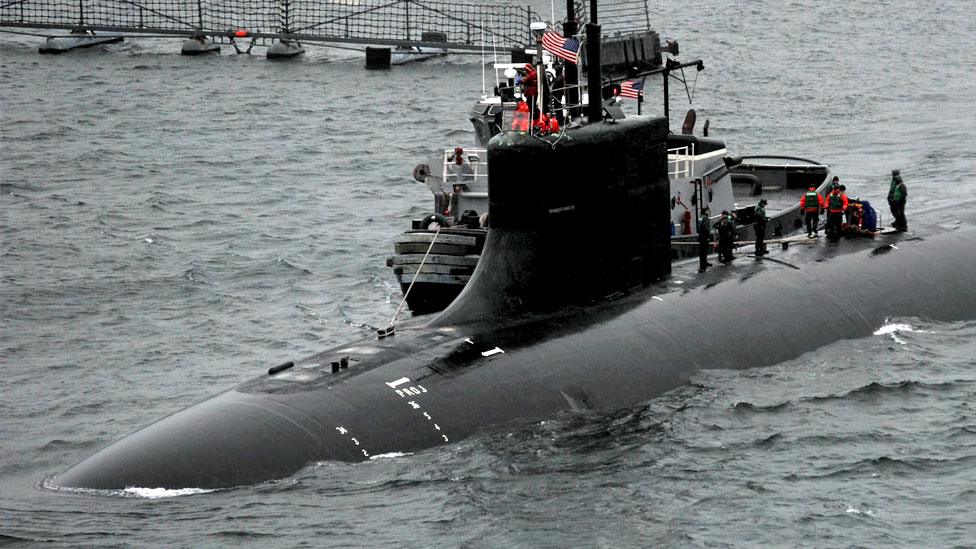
x,y
280,25
401,30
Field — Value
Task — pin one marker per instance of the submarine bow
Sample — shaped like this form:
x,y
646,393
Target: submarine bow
x,y
559,315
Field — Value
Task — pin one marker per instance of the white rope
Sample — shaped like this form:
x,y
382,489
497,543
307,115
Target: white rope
x,y
399,309
483,91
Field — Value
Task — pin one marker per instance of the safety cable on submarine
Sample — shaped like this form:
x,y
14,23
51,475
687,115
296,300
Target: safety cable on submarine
x,y
391,327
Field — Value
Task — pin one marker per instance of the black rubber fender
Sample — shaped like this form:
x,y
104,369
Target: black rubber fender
x,y
439,219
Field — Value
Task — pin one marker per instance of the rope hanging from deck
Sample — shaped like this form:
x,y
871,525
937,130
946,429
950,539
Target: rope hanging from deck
x,y
391,327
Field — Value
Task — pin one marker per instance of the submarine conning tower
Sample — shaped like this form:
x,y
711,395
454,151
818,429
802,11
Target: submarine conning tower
x,y
572,221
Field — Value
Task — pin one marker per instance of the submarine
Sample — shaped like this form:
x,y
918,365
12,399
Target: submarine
x,y
529,337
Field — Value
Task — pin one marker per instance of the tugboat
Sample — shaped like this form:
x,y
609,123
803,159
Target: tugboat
x,y
436,257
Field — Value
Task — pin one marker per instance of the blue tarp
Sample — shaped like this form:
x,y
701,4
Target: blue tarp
x,y
870,219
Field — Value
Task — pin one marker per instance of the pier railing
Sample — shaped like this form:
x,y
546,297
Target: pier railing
x,y
459,25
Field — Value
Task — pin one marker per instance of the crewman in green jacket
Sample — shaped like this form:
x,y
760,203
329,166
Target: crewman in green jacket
x,y
897,196
704,237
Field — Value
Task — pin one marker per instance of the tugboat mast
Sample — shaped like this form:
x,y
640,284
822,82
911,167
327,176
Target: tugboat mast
x,y
570,28
594,69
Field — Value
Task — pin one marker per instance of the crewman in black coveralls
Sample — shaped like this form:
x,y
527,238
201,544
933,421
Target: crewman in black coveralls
x,y
760,227
726,237
704,237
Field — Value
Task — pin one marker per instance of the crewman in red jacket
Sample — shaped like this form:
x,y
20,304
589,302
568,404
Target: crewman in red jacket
x,y
811,203
530,88
836,206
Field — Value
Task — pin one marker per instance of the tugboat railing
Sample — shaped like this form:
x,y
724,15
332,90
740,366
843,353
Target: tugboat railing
x,y
681,162
473,170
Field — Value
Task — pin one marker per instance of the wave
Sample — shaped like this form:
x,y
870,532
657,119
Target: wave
x,y
10,540
877,388
964,431
60,445
158,493
768,441
132,492
886,465
893,328
292,266
743,406
195,275
241,535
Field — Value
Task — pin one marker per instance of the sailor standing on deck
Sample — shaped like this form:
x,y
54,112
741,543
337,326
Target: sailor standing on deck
x,y
836,206
704,237
530,87
726,237
848,211
811,203
897,196
760,227
461,171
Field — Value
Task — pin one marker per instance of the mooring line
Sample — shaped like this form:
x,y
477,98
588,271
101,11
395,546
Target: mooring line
x,y
399,309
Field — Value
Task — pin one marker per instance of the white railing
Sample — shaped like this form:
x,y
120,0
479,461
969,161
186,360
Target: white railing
x,y
681,162
473,169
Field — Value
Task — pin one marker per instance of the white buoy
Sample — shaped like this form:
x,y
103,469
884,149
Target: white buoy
x,y
78,38
283,49
199,44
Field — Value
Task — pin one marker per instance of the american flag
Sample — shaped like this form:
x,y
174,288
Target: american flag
x,y
565,48
631,89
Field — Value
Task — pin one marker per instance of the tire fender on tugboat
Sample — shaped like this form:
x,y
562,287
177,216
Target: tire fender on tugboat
x,y
430,220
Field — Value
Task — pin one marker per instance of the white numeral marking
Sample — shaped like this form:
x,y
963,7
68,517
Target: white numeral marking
x,y
397,383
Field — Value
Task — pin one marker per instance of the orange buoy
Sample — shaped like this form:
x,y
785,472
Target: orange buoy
x,y
240,33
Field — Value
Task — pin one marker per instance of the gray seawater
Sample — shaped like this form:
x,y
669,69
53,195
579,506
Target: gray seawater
x,y
172,226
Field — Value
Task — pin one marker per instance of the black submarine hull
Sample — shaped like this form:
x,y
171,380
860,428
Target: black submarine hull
x,y
528,338
432,385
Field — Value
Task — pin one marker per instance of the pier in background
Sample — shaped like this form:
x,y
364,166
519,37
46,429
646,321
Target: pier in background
x,y
403,24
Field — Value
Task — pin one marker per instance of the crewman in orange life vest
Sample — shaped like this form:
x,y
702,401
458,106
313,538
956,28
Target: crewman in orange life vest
x,y
520,118
836,206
